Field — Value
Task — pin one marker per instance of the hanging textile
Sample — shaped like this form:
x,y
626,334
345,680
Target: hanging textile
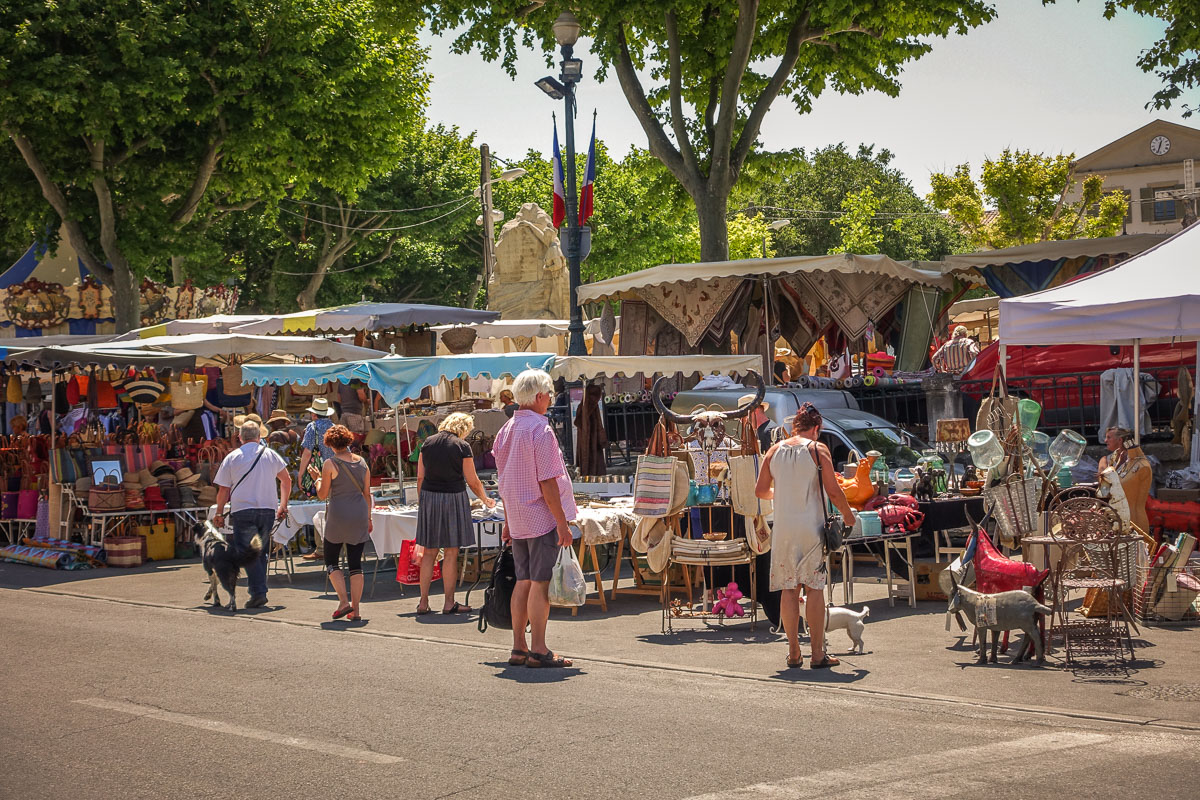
x,y
591,442
854,300
691,307
919,313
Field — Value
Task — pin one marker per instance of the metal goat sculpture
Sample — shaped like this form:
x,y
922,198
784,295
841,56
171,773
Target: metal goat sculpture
x,y
708,426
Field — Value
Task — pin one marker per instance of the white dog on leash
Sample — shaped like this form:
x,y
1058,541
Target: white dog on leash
x,y
839,618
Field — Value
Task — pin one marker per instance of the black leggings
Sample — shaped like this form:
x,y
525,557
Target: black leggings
x,y
333,554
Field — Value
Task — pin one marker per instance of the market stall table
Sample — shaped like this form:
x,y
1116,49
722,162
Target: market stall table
x,y
945,514
899,544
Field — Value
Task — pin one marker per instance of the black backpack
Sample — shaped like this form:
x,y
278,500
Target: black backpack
x,y
497,597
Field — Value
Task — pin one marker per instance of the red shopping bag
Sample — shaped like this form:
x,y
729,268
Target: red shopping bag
x,y
408,564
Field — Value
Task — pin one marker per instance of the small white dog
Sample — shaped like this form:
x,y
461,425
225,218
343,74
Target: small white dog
x,y
846,619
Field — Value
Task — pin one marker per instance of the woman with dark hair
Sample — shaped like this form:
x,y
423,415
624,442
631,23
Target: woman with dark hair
x,y
345,482
800,466
783,373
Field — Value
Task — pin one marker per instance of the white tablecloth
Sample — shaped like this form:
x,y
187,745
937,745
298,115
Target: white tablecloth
x,y
391,527
299,515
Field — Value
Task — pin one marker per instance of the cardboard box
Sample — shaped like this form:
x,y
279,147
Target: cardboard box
x,y
928,587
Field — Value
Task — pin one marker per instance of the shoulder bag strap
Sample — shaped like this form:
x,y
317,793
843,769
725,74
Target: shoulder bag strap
x,y
261,450
353,478
816,457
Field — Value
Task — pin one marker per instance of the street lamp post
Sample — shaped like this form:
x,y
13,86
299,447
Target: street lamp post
x,y
769,355
566,33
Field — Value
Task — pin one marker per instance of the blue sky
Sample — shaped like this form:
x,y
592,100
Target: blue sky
x,y
1054,79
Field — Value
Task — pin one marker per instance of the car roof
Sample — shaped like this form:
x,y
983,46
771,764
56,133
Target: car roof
x,y
853,419
727,398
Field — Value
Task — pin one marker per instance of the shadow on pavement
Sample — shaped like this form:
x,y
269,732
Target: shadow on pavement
x,y
830,675
27,576
530,675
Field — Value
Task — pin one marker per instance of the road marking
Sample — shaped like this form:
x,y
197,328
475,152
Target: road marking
x,y
900,772
217,726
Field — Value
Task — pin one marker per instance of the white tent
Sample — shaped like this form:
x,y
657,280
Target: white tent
x,y
221,346
217,323
1151,298
364,317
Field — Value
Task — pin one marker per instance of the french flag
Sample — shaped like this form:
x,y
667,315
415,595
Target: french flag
x,y
586,195
560,197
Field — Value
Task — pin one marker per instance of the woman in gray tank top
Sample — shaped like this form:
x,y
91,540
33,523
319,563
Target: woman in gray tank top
x,y
345,483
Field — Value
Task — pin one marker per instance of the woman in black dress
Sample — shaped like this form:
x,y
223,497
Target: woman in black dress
x,y
444,471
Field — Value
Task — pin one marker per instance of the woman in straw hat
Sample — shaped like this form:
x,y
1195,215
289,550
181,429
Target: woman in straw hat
x,y
444,471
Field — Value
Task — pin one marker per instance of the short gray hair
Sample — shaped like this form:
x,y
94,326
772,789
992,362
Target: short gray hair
x,y
250,432
529,384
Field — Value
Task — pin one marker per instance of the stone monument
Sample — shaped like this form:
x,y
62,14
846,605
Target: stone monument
x,y
530,280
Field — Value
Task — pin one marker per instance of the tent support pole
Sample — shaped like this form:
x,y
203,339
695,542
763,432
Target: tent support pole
x,y
54,487
769,350
1196,415
1137,391
1003,361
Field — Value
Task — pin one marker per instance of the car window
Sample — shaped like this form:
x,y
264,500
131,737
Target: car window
x,y
839,451
890,442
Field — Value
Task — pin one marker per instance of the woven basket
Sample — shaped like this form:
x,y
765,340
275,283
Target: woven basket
x,y
124,551
459,340
101,500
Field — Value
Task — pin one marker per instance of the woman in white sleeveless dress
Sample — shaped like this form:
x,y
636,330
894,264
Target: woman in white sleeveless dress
x,y
789,477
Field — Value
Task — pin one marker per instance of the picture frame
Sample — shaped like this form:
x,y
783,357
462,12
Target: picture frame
x,y
107,470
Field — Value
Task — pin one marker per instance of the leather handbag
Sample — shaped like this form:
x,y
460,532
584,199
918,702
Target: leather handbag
x,y
497,597
833,530
997,410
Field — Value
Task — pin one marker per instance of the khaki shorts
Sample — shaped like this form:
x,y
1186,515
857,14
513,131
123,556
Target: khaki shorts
x,y
534,558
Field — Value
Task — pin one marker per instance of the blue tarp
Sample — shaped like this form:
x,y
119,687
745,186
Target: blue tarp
x,y
398,379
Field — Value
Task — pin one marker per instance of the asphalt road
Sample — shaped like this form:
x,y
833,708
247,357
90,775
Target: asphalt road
x,y
110,700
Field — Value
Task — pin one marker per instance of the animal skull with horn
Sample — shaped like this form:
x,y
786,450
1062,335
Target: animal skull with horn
x,y
708,425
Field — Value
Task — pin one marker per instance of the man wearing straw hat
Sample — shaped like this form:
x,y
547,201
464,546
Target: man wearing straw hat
x,y
314,439
760,422
956,355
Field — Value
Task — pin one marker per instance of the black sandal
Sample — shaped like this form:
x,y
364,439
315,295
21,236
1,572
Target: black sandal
x,y
537,660
827,661
517,658
799,662
457,608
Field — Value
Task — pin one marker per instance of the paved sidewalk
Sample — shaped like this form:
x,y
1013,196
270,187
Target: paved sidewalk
x,y
909,652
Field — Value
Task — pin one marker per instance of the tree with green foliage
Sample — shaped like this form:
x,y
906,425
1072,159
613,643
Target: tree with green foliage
x,y
840,201
142,122
1032,195
408,236
701,76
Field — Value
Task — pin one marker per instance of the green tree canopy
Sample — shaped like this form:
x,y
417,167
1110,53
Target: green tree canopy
x,y
701,76
1032,197
142,121
409,235
840,201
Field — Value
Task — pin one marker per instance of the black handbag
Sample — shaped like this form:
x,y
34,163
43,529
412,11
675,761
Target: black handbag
x,y
497,597
832,532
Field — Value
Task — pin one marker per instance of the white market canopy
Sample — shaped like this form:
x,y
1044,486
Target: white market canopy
x,y
625,286
365,317
511,328
245,347
217,323
1151,298
590,367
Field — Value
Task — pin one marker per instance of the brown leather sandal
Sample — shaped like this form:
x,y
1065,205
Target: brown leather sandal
x,y
517,658
536,660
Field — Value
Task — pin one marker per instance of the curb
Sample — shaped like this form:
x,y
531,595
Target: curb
x,y
852,691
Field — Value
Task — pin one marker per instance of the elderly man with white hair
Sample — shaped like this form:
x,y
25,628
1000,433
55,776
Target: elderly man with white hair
x,y
539,506
956,355
246,480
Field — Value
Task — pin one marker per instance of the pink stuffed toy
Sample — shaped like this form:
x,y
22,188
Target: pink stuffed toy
x,y
727,602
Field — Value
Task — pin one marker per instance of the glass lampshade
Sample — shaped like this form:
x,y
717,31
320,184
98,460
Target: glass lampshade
x,y
986,450
1039,443
1067,447
1029,412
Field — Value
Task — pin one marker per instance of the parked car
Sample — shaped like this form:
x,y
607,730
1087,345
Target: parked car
x,y
848,432
1065,379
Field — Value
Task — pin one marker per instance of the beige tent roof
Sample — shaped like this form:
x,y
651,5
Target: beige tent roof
x,y
979,305
1131,244
218,347
589,367
623,285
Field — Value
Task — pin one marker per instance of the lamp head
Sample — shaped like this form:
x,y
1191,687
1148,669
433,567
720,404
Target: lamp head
x,y
572,70
512,174
552,87
566,29
778,224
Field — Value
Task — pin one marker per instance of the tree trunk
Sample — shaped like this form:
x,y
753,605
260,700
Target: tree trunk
x,y
307,299
714,233
126,298
177,270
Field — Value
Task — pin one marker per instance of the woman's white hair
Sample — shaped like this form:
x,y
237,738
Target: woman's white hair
x,y
458,423
529,384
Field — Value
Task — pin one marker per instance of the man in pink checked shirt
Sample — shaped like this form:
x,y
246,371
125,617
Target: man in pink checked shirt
x,y
539,506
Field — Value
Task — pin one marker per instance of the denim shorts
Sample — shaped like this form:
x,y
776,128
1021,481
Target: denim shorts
x,y
534,558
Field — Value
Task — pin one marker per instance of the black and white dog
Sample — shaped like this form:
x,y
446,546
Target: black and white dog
x,y
223,563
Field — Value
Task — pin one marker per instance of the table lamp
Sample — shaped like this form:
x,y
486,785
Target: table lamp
x,y
952,435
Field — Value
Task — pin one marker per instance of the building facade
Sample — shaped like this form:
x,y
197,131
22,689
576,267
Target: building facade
x,y
1158,157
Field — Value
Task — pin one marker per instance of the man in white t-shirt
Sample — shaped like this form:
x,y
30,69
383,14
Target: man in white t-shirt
x,y
246,480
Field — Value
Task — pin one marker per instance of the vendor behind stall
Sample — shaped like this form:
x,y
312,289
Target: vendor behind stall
x,y
314,439
352,398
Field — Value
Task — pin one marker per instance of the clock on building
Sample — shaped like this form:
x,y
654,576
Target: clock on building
x,y
1159,145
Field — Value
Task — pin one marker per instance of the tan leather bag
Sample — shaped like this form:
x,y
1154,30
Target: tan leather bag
x,y
997,410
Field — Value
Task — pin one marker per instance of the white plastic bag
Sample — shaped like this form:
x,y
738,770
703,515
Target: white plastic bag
x,y
567,584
